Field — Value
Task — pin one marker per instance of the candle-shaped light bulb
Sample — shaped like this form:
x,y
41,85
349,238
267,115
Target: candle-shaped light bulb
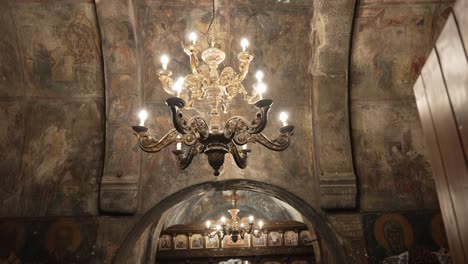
x,y
261,88
284,118
223,219
244,44
178,85
242,225
260,224
208,224
251,219
244,147
164,61
256,232
218,227
179,146
193,37
259,75
143,115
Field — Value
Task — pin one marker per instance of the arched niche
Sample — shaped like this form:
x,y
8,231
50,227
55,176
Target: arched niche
x,y
314,216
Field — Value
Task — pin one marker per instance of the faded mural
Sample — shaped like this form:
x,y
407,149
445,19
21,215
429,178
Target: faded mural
x,y
51,97
391,42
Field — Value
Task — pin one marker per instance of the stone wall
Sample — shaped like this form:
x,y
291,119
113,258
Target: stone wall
x,y
51,107
52,110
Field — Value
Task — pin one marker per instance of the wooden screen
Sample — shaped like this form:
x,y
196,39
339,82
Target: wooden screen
x,y
442,98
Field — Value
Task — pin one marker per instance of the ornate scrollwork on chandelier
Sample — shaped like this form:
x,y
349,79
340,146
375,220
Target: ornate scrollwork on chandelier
x,y
205,85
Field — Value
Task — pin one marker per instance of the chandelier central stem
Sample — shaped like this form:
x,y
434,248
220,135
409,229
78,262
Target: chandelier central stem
x,y
212,25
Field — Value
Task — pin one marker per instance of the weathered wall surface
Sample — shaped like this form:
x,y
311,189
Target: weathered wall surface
x,y
391,42
51,107
52,111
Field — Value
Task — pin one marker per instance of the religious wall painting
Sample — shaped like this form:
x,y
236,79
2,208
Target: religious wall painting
x,y
53,240
260,241
291,238
63,239
165,242
394,233
398,235
65,59
305,237
196,241
275,239
240,243
180,242
212,242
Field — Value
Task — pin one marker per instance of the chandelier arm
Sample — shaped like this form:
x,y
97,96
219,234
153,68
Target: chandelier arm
x,y
178,118
238,126
185,158
195,125
239,158
250,228
149,144
166,81
245,58
192,51
258,235
252,99
280,143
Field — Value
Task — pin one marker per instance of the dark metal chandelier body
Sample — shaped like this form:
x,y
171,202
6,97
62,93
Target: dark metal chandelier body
x,y
195,133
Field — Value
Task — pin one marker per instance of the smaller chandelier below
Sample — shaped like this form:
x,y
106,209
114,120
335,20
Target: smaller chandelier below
x,y
234,227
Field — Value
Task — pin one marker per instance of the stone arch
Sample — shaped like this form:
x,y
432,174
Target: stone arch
x,y
315,216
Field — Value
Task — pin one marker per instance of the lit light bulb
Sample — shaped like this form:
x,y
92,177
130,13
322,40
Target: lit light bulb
x,y
218,227
259,75
193,37
223,219
244,44
178,144
208,224
178,85
242,225
244,147
260,224
251,219
164,61
143,115
284,118
261,89
256,232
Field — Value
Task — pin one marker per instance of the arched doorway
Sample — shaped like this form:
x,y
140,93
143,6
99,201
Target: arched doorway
x,y
315,217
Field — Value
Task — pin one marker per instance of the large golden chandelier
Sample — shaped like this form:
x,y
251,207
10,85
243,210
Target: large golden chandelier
x,y
206,85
